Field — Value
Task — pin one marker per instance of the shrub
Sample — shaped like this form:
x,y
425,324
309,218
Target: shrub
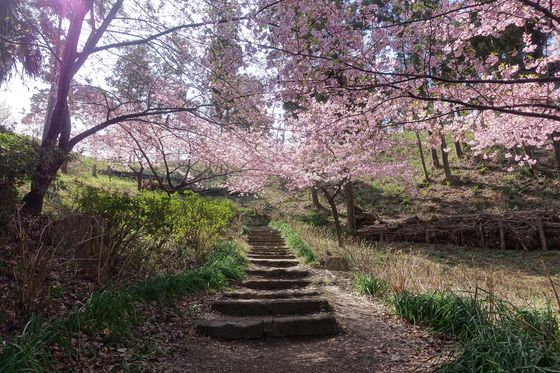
x,y
149,228
295,242
18,157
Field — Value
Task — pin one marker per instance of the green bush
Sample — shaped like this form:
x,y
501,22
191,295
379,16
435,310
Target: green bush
x,y
295,242
494,335
156,222
368,284
18,157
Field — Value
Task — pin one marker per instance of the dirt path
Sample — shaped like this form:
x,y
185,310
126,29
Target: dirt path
x,y
371,341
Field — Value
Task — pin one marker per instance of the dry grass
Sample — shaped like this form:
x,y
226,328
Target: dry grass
x,y
516,276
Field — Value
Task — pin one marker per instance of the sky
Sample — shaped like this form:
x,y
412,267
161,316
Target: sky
x,y
16,93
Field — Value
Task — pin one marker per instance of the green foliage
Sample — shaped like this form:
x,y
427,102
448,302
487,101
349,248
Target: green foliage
x,y
295,242
115,312
18,157
495,336
29,352
316,218
443,312
188,221
368,284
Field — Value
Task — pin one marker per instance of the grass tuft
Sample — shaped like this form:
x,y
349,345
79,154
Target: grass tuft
x,y
494,335
368,284
295,242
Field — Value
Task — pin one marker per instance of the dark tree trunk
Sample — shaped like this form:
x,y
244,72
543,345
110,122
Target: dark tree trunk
x,y
433,153
49,163
52,156
422,159
336,218
445,159
140,178
556,146
94,170
64,167
350,211
458,149
315,199
55,145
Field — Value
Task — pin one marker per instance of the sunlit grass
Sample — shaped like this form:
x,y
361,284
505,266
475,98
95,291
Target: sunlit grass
x,y
515,276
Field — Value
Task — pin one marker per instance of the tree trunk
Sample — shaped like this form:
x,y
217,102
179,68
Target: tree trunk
x,y
556,146
350,211
458,149
315,199
445,159
422,160
94,170
433,153
140,177
50,161
64,167
55,145
336,218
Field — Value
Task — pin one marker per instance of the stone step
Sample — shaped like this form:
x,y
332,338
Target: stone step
x,y
274,294
279,250
263,307
270,256
251,328
267,244
265,238
278,272
267,284
271,250
279,263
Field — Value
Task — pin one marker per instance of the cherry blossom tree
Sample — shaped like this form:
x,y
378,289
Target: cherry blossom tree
x,y
327,144
87,35
499,56
489,68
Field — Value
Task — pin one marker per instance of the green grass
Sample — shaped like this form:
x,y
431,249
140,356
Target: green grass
x,y
116,312
316,218
66,186
295,242
494,336
366,283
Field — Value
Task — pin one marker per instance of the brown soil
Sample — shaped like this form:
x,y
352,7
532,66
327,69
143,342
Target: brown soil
x,y
371,340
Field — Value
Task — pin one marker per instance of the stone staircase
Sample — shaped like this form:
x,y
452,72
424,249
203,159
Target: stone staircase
x,y
278,299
